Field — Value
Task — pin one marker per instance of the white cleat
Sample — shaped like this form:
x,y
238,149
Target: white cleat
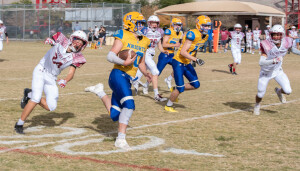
x,y
159,98
256,110
168,82
95,89
145,90
280,95
122,143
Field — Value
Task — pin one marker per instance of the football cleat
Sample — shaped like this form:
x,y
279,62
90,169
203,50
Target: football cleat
x,y
95,89
159,98
170,109
169,83
230,68
25,98
122,143
234,73
280,95
19,129
256,110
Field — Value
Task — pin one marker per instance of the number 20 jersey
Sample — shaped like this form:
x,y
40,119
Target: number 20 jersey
x,y
154,36
129,41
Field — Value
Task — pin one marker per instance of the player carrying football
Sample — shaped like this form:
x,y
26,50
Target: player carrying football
x,y
181,62
273,51
64,53
236,38
121,105
154,33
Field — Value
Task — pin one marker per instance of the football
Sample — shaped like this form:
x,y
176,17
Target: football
x,y
125,53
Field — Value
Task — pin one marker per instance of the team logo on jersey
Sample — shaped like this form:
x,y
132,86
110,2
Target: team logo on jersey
x,y
190,35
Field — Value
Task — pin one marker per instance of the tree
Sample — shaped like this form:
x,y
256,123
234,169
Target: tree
x,y
143,2
23,2
165,3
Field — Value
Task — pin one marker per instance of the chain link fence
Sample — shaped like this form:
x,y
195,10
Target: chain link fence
x,y
38,21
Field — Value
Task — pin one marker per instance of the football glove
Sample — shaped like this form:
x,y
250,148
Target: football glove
x,y
199,62
62,83
49,41
277,60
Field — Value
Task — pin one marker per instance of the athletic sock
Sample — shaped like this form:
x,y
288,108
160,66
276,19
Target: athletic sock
x,y
20,122
101,94
29,95
121,135
155,91
170,77
170,103
233,69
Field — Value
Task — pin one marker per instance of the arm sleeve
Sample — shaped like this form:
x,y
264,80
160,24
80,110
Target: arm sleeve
x,y
263,61
113,58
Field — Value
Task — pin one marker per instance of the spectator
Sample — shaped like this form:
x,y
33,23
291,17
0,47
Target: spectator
x,y
294,35
298,40
245,31
102,35
77,27
90,37
209,41
96,33
224,36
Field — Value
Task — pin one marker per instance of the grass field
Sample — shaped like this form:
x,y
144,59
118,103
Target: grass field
x,y
213,130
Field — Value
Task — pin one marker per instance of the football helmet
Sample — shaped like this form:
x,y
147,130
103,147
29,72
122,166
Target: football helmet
x,y
201,22
277,29
153,18
178,22
237,26
81,36
1,22
268,26
293,27
134,22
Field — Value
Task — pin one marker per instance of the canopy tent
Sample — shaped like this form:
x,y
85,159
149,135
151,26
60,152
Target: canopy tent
x,y
221,8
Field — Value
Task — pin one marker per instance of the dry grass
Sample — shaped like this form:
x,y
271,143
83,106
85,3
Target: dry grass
x,y
266,142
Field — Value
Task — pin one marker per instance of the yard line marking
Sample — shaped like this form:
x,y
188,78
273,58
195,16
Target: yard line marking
x,y
60,156
193,152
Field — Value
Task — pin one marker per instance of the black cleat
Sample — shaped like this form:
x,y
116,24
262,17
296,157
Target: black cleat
x,y
19,129
25,98
230,68
234,73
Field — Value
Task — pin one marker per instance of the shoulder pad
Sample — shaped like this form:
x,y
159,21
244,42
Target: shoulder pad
x,y
119,34
168,32
190,35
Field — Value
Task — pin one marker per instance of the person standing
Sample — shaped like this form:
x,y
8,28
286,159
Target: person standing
x,y
102,35
224,37
249,38
256,39
267,32
245,31
3,34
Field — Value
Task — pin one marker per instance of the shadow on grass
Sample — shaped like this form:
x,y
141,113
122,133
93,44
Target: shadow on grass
x,y
245,106
47,119
105,126
2,60
222,71
176,105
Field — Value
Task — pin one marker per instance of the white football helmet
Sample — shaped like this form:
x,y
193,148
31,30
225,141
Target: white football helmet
x,y
293,27
79,35
277,29
237,26
153,18
1,22
268,26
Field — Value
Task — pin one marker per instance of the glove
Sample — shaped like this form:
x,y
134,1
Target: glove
x,y
277,60
200,62
49,41
62,83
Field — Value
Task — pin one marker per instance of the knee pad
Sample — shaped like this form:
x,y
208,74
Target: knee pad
x,y
125,115
180,89
115,113
52,105
36,98
195,84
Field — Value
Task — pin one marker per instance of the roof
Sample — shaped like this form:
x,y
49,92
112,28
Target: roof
x,y
220,8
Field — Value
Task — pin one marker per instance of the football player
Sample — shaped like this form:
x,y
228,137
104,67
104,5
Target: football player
x,y
171,40
273,51
121,105
267,32
294,35
65,53
3,34
154,33
236,38
249,37
181,62
256,39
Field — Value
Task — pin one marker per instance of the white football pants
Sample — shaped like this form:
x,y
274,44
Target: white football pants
x,y
1,45
44,81
279,76
151,65
237,56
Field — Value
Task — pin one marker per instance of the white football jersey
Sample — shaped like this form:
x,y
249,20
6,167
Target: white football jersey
x,y
268,35
2,32
249,36
154,36
293,33
256,34
273,51
236,39
57,58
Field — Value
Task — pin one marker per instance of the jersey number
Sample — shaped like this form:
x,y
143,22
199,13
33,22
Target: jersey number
x,y
59,64
139,55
